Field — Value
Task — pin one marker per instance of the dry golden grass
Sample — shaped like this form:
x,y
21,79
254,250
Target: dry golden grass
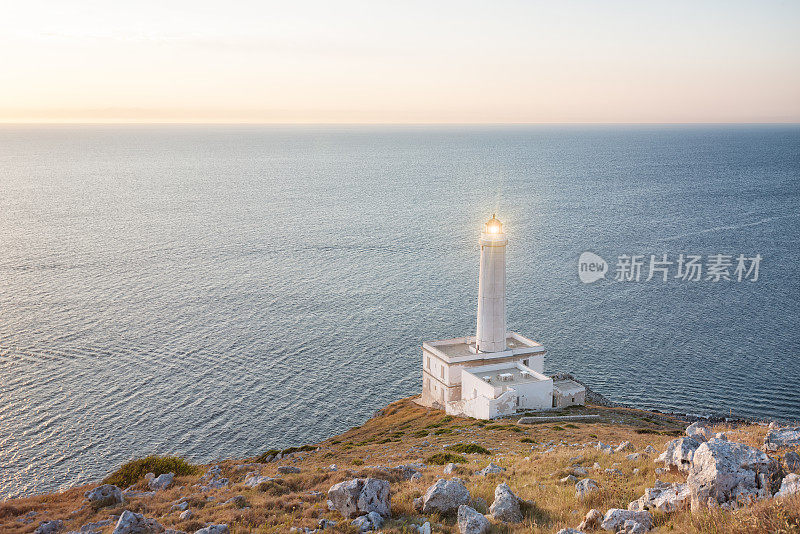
x,y
398,435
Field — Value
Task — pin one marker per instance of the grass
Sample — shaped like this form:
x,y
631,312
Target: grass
x,y
446,458
131,472
468,448
299,500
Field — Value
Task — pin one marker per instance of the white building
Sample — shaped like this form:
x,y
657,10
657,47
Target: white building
x,y
495,372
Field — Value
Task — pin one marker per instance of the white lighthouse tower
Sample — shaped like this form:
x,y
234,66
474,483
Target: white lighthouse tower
x,y
495,372
491,332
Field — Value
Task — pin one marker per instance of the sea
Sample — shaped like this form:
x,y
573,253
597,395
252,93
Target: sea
x,y
214,291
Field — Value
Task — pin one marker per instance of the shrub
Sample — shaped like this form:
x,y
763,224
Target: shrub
x,y
646,431
134,470
446,458
420,434
558,427
527,440
468,448
570,425
358,461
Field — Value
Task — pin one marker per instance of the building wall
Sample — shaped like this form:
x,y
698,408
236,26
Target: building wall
x,y
574,399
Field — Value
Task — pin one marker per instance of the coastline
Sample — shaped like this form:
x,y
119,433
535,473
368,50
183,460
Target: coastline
x,y
408,447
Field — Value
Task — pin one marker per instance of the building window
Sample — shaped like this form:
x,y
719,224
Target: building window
x,y
442,373
525,362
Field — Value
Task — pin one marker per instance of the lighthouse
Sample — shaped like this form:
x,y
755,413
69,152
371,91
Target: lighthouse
x,y
495,372
491,332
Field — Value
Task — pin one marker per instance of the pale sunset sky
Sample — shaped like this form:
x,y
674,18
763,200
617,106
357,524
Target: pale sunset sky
x,y
400,62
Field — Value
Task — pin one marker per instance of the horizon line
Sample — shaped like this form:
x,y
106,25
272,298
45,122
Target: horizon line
x,y
312,123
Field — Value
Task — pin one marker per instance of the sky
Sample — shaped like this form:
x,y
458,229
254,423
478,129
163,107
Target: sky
x,y
497,61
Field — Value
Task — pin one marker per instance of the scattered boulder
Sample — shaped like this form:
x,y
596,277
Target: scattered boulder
x,y
325,524
632,527
254,479
728,473
445,496
578,471
371,521
49,527
569,479
569,531
679,454
186,515
663,496
792,461
491,469
592,520
360,496
779,438
602,447
699,431
425,528
584,487
105,495
213,529
449,469
470,521
161,481
132,523
634,456
288,469
790,485
625,446
505,507
649,450
615,519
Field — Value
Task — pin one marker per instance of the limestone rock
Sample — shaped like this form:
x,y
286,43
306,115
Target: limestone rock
x,y
491,469
288,469
132,523
625,446
649,450
725,472
592,520
792,460
505,507
578,471
569,479
425,528
49,527
213,529
569,531
699,431
584,487
254,479
161,481
470,521
663,496
360,496
679,454
615,519
105,495
634,457
445,496
449,469
602,447
371,521
779,438
325,524
790,485
186,515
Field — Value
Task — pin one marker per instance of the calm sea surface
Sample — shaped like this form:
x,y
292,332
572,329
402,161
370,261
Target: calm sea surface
x,y
217,291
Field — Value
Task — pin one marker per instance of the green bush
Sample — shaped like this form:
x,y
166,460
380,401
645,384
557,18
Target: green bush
x,y
468,448
446,458
272,452
131,472
527,440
